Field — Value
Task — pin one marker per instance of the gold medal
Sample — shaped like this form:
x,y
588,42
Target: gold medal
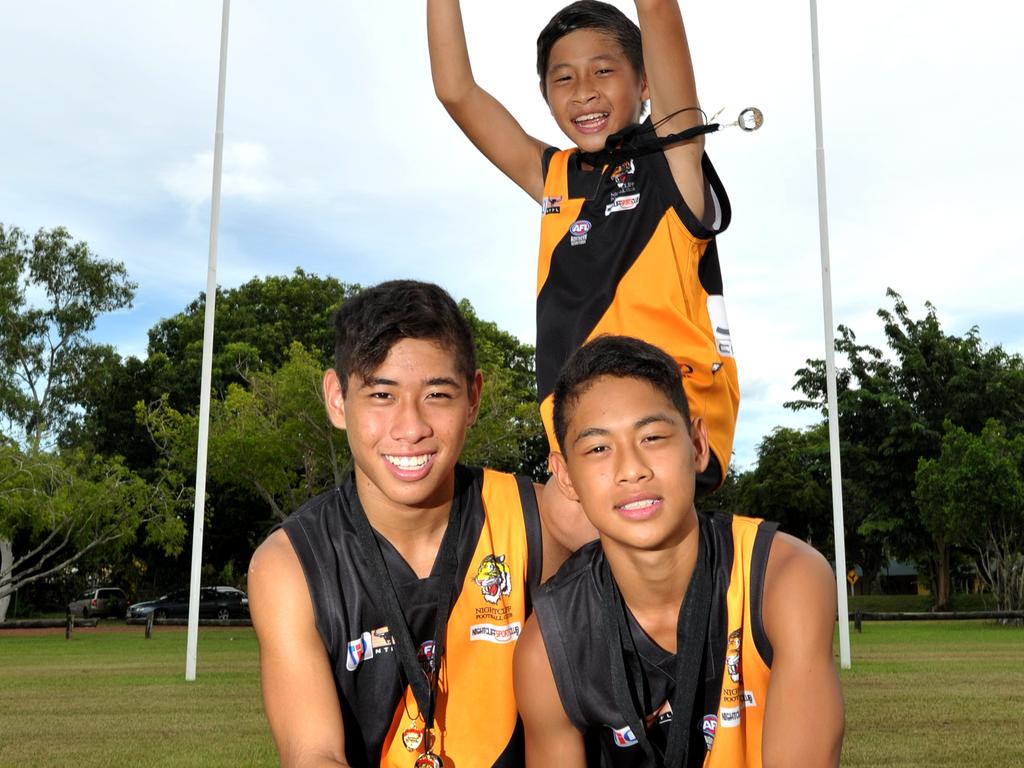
x,y
428,760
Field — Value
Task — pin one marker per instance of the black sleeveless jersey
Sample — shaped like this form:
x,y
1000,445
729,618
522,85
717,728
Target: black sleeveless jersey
x,y
725,729
499,563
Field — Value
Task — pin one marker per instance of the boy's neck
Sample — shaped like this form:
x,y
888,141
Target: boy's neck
x,y
415,531
653,583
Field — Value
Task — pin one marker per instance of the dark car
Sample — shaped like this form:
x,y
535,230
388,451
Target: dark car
x,y
98,602
214,603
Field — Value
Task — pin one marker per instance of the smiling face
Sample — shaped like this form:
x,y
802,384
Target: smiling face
x,y
630,458
592,88
406,423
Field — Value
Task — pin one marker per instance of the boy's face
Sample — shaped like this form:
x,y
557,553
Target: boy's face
x,y
630,459
406,423
592,89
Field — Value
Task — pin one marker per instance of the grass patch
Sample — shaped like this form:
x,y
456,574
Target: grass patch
x,y
922,694
110,697
937,693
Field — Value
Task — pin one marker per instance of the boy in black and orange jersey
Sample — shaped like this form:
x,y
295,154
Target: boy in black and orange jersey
x,y
677,639
627,244
387,609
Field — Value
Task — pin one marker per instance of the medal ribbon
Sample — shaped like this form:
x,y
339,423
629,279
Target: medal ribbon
x,y
447,556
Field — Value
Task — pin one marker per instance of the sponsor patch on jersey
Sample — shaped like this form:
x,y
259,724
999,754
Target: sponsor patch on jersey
x,y
622,173
494,578
578,232
367,645
732,655
425,655
708,726
720,322
552,204
730,716
747,699
624,737
499,634
622,203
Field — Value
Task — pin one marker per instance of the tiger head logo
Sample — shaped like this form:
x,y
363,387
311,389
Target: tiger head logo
x,y
493,578
732,656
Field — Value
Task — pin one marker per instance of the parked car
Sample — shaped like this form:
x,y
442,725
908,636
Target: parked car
x,y
98,602
214,603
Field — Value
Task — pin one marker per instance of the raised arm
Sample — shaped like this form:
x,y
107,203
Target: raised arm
x,y
551,739
483,119
799,615
298,686
672,87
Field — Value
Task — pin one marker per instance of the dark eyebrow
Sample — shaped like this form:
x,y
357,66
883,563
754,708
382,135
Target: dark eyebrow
x,y
378,381
437,381
654,418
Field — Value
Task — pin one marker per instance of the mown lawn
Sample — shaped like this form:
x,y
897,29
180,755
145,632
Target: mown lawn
x,y
109,697
919,694
935,693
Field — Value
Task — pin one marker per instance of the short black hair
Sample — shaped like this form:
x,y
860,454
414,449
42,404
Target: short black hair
x,y
621,357
590,14
370,323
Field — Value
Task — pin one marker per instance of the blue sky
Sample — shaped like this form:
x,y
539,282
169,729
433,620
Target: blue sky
x,y
339,160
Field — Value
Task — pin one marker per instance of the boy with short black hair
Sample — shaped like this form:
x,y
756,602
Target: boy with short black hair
x,y
387,609
678,638
628,225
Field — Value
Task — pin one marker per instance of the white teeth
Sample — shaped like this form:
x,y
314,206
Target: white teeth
x,y
592,116
409,462
639,504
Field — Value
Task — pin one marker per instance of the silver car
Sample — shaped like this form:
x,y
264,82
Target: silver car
x,y
98,602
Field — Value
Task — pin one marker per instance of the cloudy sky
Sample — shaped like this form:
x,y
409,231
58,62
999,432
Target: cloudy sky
x,y
339,160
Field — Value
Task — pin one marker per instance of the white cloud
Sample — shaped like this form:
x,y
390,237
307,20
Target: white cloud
x,y
246,175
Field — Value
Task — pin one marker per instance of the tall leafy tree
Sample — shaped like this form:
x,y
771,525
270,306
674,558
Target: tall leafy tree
x,y
972,495
60,506
892,409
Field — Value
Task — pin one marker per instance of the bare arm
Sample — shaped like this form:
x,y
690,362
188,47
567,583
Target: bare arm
x,y
551,739
672,87
799,614
483,119
566,527
298,686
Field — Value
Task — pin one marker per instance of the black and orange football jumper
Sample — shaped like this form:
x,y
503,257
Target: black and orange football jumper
x,y
499,563
622,254
727,719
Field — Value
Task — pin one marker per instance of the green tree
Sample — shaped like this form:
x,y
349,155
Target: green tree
x,y
972,495
892,411
255,328
59,506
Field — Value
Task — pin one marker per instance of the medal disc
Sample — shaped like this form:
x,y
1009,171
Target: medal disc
x,y
428,760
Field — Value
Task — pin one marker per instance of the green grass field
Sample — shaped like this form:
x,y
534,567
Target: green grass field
x,y
919,694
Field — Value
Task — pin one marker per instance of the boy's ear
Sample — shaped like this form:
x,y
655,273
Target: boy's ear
x,y
560,471
701,446
475,392
543,95
334,400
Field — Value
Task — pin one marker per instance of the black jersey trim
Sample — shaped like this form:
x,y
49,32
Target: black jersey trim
x,y
545,160
712,184
534,539
758,567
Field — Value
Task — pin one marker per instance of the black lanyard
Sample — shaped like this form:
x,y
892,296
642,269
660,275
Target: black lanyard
x,y
423,684
691,638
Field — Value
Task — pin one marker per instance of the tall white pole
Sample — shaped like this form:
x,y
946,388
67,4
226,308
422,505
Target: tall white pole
x,y
830,360
204,393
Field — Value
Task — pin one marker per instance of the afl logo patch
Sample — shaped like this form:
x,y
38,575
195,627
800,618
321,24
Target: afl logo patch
x,y
580,227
